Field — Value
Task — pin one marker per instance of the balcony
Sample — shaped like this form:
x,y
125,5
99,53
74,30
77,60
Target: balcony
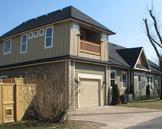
x,y
90,47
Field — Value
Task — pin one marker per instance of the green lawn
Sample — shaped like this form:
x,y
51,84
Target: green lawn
x,y
152,104
37,125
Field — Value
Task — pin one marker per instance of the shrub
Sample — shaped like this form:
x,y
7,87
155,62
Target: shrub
x,y
115,95
50,103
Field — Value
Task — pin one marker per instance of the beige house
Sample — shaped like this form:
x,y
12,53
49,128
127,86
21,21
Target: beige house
x,y
73,42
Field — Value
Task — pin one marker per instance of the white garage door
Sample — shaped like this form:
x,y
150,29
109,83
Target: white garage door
x,y
89,92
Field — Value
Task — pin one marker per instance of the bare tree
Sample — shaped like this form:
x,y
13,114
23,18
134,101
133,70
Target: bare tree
x,y
155,40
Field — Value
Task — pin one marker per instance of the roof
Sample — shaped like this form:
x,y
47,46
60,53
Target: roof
x,y
114,56
154,67
59,15
130,55
127,57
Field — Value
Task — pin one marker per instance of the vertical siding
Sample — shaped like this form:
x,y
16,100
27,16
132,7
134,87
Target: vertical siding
x,y
142,93
119,80
36,48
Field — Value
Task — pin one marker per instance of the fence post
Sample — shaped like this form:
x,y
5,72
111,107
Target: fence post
x,y
2,103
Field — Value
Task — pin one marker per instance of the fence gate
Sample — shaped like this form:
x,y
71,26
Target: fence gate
x,y
7,102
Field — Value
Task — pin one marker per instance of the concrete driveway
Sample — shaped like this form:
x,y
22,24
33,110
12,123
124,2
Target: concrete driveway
x,y
120,117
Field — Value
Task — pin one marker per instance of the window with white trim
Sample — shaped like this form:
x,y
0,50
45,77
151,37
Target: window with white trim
x,y
139,82
24,43
150,81
35,34
49,37
30,35
7,47
41,32
124,79
112,77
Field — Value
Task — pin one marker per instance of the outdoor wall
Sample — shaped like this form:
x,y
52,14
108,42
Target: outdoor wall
x,y
16,98
29,71
118,79
36,46
92,69
154,86
75,39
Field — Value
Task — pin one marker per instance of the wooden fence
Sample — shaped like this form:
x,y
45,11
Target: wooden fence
x,y
15,99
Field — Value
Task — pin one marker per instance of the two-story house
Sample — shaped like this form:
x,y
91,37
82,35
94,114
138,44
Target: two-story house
x,y
75,44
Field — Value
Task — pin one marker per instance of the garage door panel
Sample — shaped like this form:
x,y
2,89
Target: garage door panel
x,y
89,93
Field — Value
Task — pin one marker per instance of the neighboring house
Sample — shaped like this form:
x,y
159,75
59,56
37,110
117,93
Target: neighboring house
x,y
74,43
135,71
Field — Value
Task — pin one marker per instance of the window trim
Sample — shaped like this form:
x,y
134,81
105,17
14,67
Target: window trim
x,y
35,36
150,82
46,37
9,52
142,82
40,32
122,82
30,37
8,108
114,77
22,52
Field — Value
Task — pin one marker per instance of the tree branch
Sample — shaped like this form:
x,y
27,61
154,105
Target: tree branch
x,y
149,36
155,26
156,42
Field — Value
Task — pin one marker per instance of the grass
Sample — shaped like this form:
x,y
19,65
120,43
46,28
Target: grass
x,y
151,104
38,125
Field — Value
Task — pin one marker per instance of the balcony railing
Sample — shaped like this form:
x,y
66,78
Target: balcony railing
x,y
90,47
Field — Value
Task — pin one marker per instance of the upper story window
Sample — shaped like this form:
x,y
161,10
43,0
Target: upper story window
x,y
30,35
7,47
24,42
35,34
49,37
41,32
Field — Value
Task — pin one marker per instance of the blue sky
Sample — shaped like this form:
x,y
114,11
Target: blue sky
x,y
122,16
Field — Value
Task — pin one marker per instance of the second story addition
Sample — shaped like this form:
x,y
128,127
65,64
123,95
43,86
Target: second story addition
x,y
65,32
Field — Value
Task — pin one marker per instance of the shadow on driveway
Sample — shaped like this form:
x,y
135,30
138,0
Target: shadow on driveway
x,y
151,124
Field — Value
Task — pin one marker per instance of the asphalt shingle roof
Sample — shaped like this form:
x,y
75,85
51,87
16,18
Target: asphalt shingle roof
x,y
127,57
130,55
114,56
59,15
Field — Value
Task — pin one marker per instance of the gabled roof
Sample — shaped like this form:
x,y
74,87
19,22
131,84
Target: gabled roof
x,y
59,15
127,57
130,55
114,57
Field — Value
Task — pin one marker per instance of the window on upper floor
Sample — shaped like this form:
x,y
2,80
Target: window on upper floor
x,y
49,37
24,41
7,47
41,32
35,34
30,35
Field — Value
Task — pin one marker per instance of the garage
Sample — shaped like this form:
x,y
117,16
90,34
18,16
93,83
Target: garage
x,y
89,92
